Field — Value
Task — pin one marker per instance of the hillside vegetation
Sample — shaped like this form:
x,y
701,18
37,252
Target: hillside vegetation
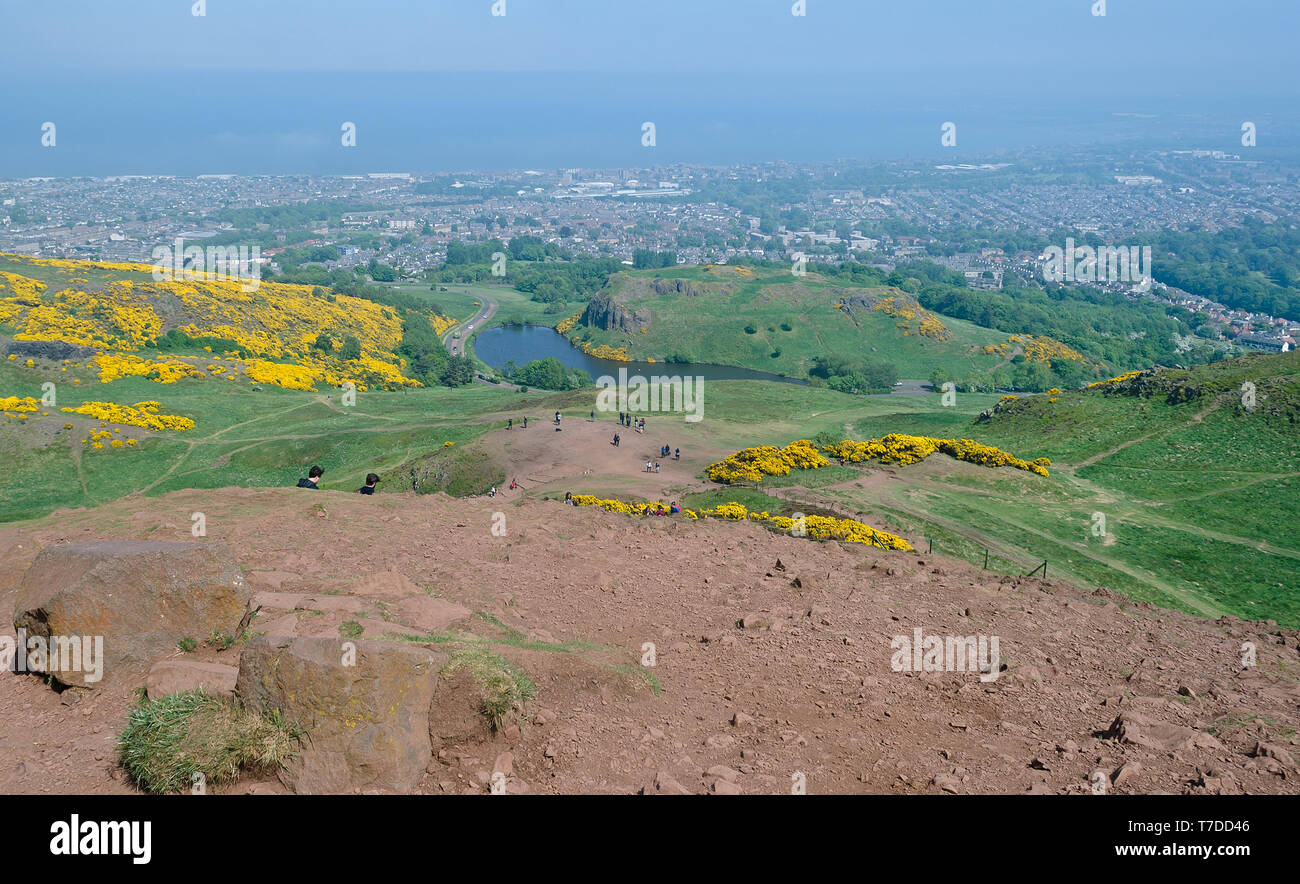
x,y
769,320
1171,486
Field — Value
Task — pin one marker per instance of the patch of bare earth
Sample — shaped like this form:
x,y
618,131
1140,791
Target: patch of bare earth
x,y
759,680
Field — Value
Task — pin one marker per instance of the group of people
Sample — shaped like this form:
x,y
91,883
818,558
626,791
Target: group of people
x,y
658,510
316,472
510,423
652,466
625,419
665,449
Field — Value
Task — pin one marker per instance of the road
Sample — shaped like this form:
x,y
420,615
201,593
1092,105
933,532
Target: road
x,y
483,315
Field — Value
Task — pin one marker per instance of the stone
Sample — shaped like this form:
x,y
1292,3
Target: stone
x,y
141,597
364,705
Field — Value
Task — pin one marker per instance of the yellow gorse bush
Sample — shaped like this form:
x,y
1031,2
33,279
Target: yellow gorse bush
x,y
278,322
1115,380
142,414
752,464
816,527
15,403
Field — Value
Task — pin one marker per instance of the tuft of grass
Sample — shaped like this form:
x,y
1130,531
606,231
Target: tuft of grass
x,y
188,644
351,629
504,688
168,741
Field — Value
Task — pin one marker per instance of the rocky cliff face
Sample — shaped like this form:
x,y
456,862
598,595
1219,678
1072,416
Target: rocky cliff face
x,y
605,312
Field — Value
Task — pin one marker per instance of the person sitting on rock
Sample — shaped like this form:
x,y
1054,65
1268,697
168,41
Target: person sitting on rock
x,y
675,509
568,498
313,478
372,479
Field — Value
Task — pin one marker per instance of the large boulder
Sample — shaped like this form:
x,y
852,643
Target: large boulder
x,y
364,706
133,599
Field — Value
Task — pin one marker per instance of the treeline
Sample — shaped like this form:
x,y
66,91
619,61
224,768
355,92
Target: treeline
x,y
1105,326
860,376
427,360
1254,267
545,281
547,374
521,248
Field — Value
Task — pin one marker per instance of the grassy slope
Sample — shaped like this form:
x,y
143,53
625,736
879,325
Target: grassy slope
x,y
711,327
1199,499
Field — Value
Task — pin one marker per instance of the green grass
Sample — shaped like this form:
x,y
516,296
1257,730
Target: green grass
x,y
709,326
171,741
504,687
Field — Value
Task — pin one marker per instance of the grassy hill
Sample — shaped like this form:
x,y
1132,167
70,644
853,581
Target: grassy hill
x,y
770,320
1198,492
1198,496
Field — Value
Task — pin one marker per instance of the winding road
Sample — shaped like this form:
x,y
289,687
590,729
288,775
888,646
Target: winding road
x,y
483,315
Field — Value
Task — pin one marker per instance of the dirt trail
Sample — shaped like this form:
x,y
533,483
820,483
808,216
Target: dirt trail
x,y
1194,419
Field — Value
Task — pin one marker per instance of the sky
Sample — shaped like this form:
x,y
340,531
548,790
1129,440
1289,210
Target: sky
x,y
262,85
1233,39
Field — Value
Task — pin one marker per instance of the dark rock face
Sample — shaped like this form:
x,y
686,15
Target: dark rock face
x,y
47,350
604,312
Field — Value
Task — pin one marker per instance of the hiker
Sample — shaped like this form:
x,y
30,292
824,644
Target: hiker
x,y
557,417
371,481
510,423
492,492
649,467
677,455
313,478
656,466
568,498
616,440
675,509
593,415
525,423
620,418
514,483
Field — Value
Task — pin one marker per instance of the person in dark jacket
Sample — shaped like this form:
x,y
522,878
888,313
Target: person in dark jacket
x,y
371,481
313,478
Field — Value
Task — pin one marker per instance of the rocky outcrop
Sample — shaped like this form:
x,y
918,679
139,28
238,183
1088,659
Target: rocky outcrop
x,y
364,707
134,599
57,350
604,312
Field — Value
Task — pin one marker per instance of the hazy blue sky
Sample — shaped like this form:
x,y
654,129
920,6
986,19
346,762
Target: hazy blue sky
x,y
139,86
1234,40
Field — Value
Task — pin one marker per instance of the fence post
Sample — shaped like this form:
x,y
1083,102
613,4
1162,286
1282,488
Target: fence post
x,y
986,559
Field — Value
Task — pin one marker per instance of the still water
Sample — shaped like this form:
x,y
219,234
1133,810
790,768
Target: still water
x,y
524,344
